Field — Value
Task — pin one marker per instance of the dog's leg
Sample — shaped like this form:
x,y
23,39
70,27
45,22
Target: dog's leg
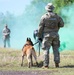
x,y
29,64
31,60
35,57
22,60
37,64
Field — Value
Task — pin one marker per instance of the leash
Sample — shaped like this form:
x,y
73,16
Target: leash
x,y
36,43
39,46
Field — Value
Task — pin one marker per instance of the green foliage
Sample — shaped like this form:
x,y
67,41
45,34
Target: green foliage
x,y
44,1
59,4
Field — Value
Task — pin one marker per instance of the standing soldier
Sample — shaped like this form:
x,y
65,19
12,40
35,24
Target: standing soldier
x,y
6,36
48,33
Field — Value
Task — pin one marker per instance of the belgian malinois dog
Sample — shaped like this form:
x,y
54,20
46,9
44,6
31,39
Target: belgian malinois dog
x,y
29,51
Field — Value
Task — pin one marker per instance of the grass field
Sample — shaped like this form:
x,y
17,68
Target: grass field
x,y
10,60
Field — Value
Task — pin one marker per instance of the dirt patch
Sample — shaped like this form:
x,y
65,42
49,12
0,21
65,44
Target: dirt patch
x,y
26,72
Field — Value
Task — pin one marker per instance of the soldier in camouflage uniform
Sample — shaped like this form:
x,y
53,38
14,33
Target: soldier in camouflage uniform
x,y
48,33
6,36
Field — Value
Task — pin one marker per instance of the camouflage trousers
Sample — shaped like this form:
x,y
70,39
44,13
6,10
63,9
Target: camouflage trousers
x,y
6,41
46,57
46,44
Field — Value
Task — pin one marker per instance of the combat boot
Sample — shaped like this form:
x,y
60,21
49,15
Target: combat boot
x,y
56,65
45,67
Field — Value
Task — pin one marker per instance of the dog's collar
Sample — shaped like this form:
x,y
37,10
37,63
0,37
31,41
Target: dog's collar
x,y
27,44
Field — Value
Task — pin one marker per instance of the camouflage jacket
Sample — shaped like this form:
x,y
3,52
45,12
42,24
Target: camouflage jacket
x,y
50,22
6,32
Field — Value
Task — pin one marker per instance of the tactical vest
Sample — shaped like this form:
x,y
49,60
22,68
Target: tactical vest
x,y
51,23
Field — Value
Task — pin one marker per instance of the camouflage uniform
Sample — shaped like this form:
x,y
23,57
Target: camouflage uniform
x,y
6,36
48,31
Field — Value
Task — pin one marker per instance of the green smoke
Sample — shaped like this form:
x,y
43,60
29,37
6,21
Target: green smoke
x,y
66,33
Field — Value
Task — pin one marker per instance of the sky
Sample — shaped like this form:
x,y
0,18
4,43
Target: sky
x,y
13,6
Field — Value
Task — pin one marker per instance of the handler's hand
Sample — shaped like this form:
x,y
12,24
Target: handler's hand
x,y
40,39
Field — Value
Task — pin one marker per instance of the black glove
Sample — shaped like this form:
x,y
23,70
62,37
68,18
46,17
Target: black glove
x,y
40,39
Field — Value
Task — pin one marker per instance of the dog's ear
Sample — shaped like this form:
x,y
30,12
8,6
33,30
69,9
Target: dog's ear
x,y
27,39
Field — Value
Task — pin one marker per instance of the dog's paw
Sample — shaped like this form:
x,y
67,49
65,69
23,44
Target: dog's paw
x,y
37,64
21,64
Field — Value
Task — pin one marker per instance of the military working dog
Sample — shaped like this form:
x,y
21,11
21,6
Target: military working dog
x,y
29,51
